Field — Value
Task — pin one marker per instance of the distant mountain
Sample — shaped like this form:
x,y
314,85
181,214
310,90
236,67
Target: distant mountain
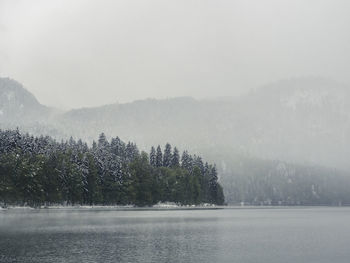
x,y
257,181
18,106
302,120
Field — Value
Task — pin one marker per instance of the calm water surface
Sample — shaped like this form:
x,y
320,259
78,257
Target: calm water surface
x,y
228,235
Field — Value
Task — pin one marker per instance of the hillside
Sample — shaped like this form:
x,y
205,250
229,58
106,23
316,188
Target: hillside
x,y
303,123
18,105
301,120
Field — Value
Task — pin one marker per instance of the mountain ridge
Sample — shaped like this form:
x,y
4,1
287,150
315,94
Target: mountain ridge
x,y
259,132
297,120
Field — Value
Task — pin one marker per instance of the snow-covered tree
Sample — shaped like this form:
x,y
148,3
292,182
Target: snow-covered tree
x,y
159,157
175,160
167,156
153,157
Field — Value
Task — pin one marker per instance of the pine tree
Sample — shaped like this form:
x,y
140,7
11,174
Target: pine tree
x,y
175,160
94,146
159,157
51,180
93,190
102,141
196,187
153,157
84,170
71,142
38,170
213,185
117,146
186,161
131,152
167,156
197,161
142,174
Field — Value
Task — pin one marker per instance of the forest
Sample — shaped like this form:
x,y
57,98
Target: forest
x,y
37,171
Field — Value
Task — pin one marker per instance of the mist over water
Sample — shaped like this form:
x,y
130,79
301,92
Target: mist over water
x,y
230,235
180,103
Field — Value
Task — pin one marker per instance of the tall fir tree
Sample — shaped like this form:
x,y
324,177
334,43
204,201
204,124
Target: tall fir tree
x,y
167,155
186,161
153,157
102,141
159,157
175,160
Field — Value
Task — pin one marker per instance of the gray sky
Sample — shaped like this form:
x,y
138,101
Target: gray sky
x,y
84,53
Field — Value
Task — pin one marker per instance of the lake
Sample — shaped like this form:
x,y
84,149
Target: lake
x,y
225,235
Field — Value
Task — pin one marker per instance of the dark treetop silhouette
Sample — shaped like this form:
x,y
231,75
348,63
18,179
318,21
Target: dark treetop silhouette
x,y
38,170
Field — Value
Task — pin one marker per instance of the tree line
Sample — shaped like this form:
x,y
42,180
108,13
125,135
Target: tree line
x,y
39,171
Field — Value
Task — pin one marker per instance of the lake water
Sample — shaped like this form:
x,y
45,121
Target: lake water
x,y
229,235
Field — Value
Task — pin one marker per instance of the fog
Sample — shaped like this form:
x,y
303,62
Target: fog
x,y
250,235
174,131
72,54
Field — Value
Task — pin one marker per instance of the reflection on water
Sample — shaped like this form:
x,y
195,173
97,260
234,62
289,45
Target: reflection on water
x,y
229,235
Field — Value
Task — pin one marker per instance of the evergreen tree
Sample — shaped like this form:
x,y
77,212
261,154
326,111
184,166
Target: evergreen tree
x,y
102,141
39,171
94,146
51,180
84,170
93,193
199,163
215,190
153,157
167,156
186,161
131,152
159,157
175,160
142,174
196,187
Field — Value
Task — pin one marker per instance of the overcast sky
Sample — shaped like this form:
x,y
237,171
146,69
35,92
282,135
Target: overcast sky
x,y
85,53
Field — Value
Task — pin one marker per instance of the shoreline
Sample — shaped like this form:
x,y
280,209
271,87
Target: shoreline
x,y
161,206
156,208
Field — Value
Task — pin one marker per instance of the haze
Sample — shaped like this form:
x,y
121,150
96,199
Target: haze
x,y
83,53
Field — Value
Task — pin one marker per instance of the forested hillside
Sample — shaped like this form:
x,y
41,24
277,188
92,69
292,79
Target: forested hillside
x,y
302,120
286,143
38,170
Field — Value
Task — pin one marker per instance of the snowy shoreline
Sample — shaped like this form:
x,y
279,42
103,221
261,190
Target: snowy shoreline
x,y
153,208
159,206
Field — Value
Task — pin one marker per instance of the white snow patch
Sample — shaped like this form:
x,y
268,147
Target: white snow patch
x,y
21,207
165,205
174,205
86,206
